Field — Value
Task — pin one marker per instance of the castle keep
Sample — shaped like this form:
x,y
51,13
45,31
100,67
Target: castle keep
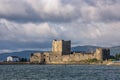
x,y
61,54
61,47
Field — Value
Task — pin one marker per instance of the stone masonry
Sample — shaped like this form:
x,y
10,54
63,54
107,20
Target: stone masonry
x,y
61,53
61,47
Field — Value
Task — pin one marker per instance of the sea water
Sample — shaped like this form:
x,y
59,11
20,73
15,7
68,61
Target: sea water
x,y
59,72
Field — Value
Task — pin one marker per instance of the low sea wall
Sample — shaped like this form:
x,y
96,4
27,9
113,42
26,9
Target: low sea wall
x,y
13,63
114,63
63,63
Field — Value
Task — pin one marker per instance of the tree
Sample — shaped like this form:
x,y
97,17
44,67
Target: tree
x,y
117,56
23,59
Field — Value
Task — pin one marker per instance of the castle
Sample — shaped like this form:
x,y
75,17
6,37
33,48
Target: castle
x,y
61,53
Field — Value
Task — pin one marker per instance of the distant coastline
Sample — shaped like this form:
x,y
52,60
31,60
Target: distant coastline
x,y
72,63
61,54
13,63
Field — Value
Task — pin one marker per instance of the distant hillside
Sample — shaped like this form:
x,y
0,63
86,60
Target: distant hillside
x,y
113,50
84,48
22,54
26,54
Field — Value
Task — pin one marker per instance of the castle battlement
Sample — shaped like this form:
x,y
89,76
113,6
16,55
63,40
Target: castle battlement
x,y
61,53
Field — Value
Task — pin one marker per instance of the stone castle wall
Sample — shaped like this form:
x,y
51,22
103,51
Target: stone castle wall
x,y
61,54
75,57
36,58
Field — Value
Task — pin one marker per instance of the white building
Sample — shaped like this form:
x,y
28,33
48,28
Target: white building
x,y
13,59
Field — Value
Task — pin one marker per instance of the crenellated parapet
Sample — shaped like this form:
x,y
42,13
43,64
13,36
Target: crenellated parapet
x,y
61,53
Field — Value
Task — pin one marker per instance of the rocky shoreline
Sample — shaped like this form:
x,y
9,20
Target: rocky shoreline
x,y
73,63
116,63
13,63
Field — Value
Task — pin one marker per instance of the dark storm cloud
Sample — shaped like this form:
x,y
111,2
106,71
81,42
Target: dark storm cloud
x,y
59,10
34,10
6,44
34,24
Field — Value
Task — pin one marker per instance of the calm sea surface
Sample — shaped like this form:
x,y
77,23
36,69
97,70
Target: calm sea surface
x,y
59,72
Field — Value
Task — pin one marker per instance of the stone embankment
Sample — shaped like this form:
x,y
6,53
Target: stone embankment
x,y
114,63
13,63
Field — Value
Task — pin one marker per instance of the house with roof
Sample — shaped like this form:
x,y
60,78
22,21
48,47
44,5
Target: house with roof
x,y
13,59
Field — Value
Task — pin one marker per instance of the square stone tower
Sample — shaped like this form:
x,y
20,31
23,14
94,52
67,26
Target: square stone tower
x,y
61,47
102,54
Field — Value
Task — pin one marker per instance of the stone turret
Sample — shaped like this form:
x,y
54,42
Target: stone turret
x,y
37,58
61,54
61,47
102,54
98,53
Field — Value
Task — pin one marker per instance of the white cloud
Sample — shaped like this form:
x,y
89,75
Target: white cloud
x,y
13,8
51,7
85,22
89,13
25,32
58,11
42,10
101,34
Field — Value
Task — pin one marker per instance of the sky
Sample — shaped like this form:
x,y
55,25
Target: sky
x,y
33,24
